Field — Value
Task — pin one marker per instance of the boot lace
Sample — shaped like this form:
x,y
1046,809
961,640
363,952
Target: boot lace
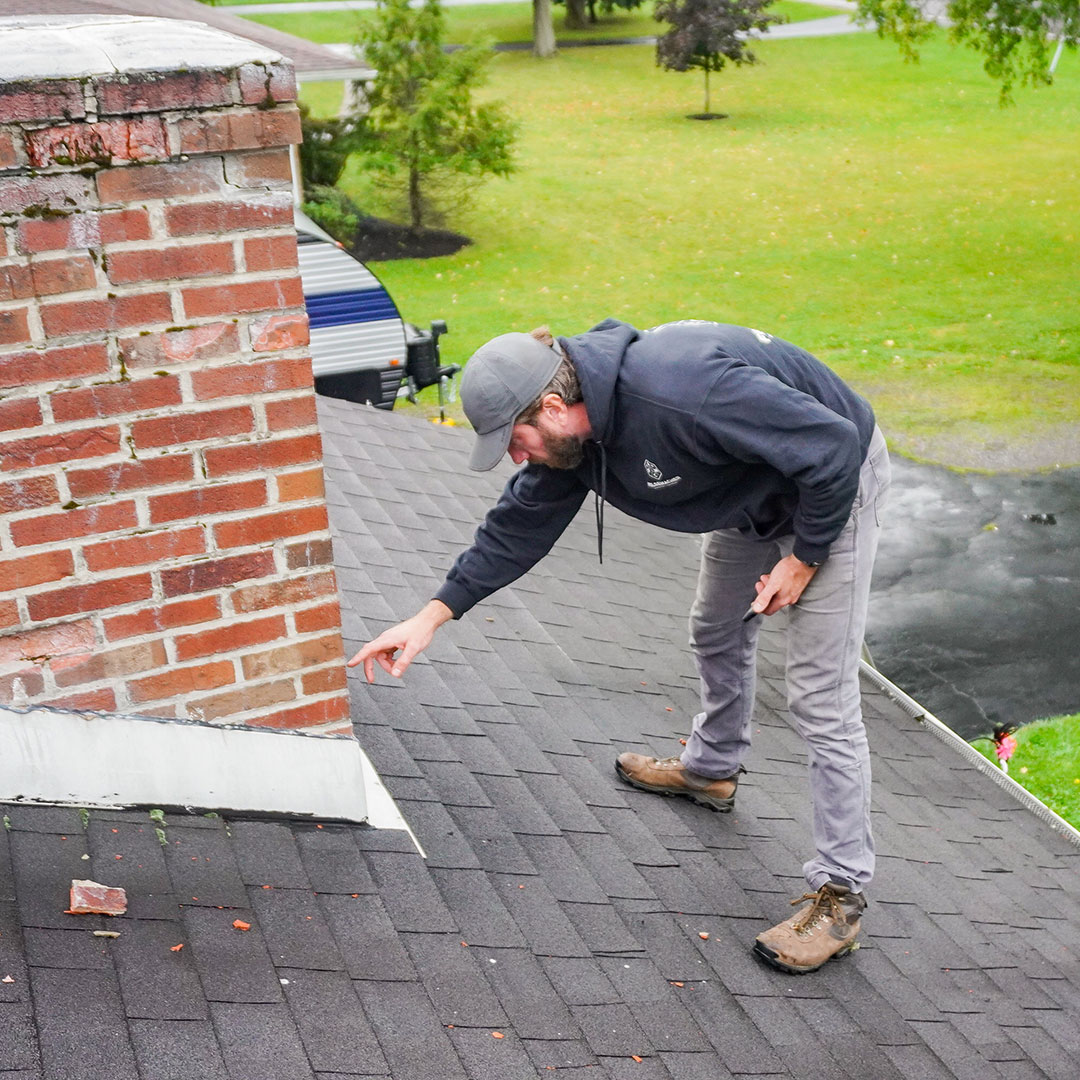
x,y
825,904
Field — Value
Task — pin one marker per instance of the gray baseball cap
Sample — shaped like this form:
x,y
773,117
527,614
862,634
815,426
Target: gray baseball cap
x,y
501,379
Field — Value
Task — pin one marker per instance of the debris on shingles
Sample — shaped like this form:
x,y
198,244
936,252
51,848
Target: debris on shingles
x,y
7,979
105,933
93,898
239,924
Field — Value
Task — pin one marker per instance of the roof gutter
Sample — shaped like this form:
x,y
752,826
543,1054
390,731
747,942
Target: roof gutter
x,y
971,755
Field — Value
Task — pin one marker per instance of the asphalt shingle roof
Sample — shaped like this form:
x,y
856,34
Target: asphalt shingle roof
x,y
556,907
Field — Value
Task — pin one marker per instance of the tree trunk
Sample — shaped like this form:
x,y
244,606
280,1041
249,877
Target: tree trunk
x,y
543,30
416,206
575,14
706,90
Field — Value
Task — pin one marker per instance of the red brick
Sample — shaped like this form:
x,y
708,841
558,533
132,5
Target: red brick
x,y
21,686
14,328
250,379
10,151
294,657
97,666
55,447
16,282
159,619
243,700
261,84
291,413
90,898
174,179
177,681
193,427
287,593
53,99
28,570
270,527
132,551
160,263
9,614
54,365
129,475
301,485
316,714
323,681
259,168
270,253
205,501
269,333
3,243
243,297
180,346
97,596
216,573
29,494
323,617
139,138
89,230
236,129
265,454
48,641
69,524
69,274
309,553
159,92
94,316
254,212
100,700
223,639
24,413
37,196
116,399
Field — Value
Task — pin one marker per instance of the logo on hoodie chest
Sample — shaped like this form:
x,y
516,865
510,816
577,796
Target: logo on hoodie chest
x,y
656,477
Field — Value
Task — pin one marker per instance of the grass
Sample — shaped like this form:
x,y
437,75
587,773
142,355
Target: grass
x,y
1047,763
889,217
502,22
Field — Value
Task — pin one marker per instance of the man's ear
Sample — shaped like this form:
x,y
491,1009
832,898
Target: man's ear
x,y
554,406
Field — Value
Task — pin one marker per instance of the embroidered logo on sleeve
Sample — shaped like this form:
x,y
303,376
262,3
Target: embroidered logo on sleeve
x,y
657,477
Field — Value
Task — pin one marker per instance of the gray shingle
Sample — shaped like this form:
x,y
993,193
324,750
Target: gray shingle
x,y
332,861
494,846
580,981
366,938
567,1057
177,1050
409,895
267,855
454,982
533,1004
295,930
439,835
481,916
260,1042
537,912
44,866
202,866
98,1046
157,983
333,1028
415,1043
611,1029
233,965
18,1038
66,949
492,1058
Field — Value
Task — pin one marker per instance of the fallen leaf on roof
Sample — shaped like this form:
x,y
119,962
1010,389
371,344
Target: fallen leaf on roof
x,y
239,924
176,948
93,898
105,933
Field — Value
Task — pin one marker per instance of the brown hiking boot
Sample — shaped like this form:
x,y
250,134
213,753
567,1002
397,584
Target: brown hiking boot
x,y
669,776
824,928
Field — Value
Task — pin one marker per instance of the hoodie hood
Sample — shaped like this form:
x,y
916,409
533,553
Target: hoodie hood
x,y
598,356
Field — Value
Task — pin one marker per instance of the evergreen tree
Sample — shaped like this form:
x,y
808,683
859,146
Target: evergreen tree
x,y
422,130
707,34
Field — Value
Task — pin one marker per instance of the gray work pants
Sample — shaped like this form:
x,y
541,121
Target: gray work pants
x,y
824,642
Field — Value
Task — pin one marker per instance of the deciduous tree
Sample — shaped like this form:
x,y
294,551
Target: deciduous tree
x,y
707,34
1018,39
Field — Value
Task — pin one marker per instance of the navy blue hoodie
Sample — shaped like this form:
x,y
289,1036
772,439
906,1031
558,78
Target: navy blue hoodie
x,y
695,426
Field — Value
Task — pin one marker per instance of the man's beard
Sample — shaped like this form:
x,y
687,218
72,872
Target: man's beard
x,y
563,451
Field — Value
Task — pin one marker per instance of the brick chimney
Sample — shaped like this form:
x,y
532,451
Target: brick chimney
x,y
163,539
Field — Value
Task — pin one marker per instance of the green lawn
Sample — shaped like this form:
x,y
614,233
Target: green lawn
x,y
1047,763
890,217
503,22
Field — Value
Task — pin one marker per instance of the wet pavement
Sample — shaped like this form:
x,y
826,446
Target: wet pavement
x,y
976,600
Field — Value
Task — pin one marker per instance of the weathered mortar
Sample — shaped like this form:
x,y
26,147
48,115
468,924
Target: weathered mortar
x,y
163,539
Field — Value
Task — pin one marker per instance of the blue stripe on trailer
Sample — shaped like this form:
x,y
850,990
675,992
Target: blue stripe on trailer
x,y
355,306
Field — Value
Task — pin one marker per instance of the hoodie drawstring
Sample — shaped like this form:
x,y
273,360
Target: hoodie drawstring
x,y
600,496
